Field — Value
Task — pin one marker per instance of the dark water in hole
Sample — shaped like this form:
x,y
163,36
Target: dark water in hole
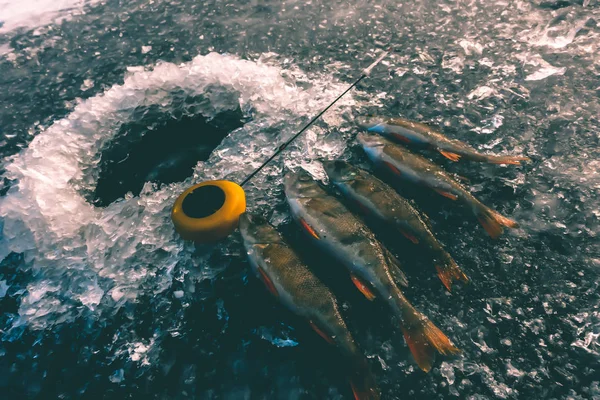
x,y
152,150
101,299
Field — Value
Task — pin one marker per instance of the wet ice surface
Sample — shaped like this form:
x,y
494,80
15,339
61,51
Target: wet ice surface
x,y
30,14
107,300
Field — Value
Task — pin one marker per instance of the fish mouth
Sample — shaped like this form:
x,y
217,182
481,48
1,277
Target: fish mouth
x,y
330,167
300,184
366,121
336,170
362,121
246,222
290,183
297,176
368,140
255,229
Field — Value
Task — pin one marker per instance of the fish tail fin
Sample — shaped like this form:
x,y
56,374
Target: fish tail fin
x,y
448,270
493,222
450,155
513,160
363,384
423,337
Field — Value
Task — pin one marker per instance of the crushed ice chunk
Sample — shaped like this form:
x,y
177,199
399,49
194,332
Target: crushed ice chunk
x,y
136,68
589,337
481,93
36,293
556,34
139,351
284,342
471,47
222,313
543,68
483,345
486,61
545,72
3,288
118,376
267,335
447,371
87,84
512,371
454,63
92,295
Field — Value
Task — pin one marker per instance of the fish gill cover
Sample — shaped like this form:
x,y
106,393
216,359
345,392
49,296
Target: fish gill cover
x,y
107,301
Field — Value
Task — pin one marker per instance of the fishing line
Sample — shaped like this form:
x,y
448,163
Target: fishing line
x,y
366,72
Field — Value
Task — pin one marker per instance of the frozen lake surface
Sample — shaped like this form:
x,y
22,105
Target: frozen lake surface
x,y
109,109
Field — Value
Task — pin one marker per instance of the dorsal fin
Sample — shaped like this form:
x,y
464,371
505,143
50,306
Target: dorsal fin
x,y
395,268
426,220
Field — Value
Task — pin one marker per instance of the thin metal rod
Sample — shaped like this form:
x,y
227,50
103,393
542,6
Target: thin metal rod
x,y
366,72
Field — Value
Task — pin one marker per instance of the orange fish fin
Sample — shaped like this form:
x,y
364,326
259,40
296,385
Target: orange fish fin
x,y
449,195
492,221
400,138
364,289
504,221
513,160
364,388
449,155
423,338
309,229
392,168
358,393
421,351
268,282
493,228
448,271
410,236
325,336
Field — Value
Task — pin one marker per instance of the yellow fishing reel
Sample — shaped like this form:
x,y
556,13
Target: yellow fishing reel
x,y
209,211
